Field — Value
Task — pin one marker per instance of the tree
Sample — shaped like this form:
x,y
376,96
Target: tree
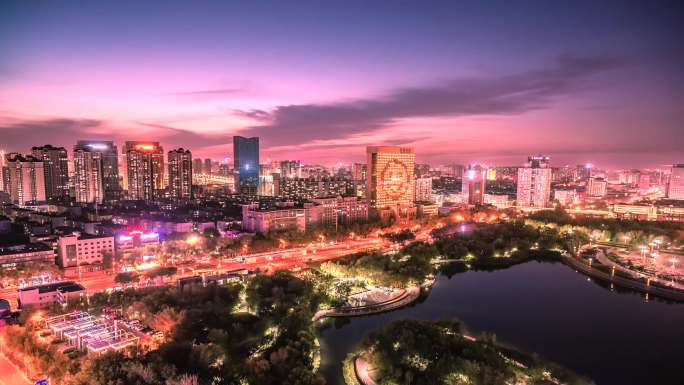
x,y
126,278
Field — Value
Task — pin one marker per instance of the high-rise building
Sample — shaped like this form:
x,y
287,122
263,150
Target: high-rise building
x,y
197,166
223,169
473,184
597,187
290,169
246,166
88,183
359,171
421,170
422,190
389,183
24,179
145,168
534,182
583,172
56,169
180,173
2,170
106,158
675,189
208,168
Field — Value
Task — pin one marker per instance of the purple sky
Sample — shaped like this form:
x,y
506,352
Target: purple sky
x,y
318,81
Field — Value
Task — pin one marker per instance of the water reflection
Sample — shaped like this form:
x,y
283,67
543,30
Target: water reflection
x,y
615,336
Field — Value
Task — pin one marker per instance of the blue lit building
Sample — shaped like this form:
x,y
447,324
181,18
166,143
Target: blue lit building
x,y
246,164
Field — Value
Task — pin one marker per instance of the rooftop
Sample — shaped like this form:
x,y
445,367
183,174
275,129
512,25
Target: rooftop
x,y
67,286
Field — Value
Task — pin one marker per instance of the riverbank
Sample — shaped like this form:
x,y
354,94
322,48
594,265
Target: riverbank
x,y
630,283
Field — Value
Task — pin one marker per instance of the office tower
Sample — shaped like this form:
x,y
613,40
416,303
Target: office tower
x,y
88,175
56,169
105,153
534,182
675,189
24,179
197,166
180,173
145,168
597,187
422,190
208,169
246,164
390,176
473,183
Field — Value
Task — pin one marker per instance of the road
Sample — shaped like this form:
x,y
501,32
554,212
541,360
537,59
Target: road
x,y
282,259
10,374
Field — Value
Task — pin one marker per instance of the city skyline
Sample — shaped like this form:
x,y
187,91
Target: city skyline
x,y
432,76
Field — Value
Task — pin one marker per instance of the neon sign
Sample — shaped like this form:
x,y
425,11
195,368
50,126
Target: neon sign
x,y
147,147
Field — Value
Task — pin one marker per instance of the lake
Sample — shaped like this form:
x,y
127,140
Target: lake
x,y
615,337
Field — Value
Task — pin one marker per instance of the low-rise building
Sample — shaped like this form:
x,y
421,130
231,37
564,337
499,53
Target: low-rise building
x,y
49,294
330,211
498,200
27,252
83,249
649,212
136,238
566,197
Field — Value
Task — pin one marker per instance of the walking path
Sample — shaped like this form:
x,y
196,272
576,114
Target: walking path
x,y
403,298
631,283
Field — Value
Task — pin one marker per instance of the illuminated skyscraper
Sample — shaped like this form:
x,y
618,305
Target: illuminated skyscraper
x,y
55,167
474,183
389,182
180,173
246,164
145,168
208,168
675,189
88,185
103,152
534,182
24,179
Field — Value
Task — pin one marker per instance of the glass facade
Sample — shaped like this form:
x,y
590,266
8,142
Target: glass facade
x,y
246,158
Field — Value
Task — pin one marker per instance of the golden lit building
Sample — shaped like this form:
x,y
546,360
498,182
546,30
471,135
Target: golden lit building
x,y
389,182
145,169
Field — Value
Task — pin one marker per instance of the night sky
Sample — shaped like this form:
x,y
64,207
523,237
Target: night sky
x,y
491,82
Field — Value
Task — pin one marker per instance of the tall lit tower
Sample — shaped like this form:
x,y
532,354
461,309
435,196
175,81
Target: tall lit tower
x,y
675,189
389,182
474,183
24,179
180,173
145,168
88,171
104,153
534,182
246,164
55,167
